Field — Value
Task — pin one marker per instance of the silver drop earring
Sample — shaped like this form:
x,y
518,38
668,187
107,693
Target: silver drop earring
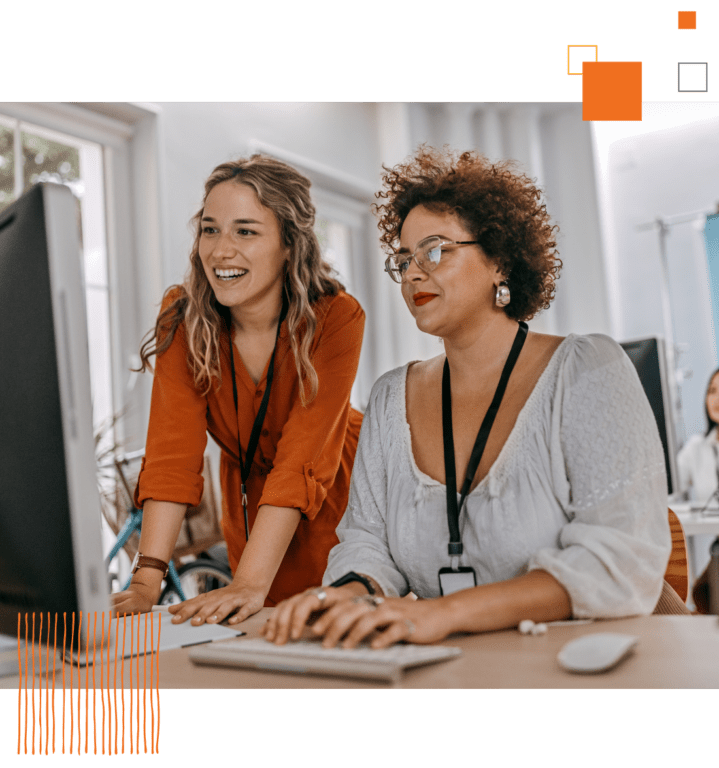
x,y
501,297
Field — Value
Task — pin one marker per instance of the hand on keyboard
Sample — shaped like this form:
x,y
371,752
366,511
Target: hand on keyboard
x,y
379,621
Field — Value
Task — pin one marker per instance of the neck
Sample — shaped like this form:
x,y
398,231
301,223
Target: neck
x,y
260,317
477,351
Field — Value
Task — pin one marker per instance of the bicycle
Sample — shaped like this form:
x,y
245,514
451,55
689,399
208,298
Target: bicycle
x,y
191,579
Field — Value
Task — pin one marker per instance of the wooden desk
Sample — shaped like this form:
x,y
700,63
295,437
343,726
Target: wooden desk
x,y
673,652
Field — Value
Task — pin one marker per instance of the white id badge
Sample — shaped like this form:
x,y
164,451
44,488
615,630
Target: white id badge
x,y
453,581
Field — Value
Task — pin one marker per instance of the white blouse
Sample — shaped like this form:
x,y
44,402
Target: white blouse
x,y
698,462
579,490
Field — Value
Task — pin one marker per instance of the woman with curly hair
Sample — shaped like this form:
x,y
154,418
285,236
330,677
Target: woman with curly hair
x,y
259,347
556,508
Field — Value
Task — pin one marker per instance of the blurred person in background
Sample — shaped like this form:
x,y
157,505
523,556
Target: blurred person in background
x,y
698,462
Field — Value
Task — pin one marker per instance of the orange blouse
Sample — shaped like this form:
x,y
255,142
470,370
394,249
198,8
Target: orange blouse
x,y
304,456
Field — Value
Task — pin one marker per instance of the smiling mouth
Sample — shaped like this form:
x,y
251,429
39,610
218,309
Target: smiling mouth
x,y
228,275
423,298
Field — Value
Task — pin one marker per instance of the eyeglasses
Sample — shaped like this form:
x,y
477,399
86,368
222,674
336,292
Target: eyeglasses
x,y
427,255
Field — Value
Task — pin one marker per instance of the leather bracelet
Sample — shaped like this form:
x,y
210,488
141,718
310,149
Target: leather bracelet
x,y
144,561
350,577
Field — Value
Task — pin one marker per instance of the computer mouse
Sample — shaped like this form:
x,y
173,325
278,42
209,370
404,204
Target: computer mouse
x,y
597,652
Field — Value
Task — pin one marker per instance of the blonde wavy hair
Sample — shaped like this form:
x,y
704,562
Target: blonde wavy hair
x,y
308,277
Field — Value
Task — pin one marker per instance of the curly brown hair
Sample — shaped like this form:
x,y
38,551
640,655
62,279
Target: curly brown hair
x,y
500,206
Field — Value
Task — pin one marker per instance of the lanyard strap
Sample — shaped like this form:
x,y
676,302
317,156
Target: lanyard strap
x,y
454,508
259,419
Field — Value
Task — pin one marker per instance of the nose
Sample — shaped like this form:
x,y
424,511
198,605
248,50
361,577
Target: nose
x,y
414,273
224,246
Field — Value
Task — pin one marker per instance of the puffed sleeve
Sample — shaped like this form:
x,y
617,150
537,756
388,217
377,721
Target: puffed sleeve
x,y
310,447
363,545
613,552
177,431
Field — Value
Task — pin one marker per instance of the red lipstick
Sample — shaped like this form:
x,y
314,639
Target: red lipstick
x,y
423,298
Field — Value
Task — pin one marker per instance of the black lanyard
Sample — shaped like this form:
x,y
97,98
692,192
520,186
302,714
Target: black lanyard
x,y
259,419
454,508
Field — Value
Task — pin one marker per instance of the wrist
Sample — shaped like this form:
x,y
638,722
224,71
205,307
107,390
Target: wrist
x,y
255,581
353,576
146,580
451,613
352,589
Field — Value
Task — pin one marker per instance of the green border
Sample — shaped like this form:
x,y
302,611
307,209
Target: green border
x,y
320,50
372,51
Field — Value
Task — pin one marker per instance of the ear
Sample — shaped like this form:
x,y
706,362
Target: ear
x,y
498,275
494,267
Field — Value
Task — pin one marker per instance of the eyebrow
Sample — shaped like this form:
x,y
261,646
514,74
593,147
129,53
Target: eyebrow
x,y
443,237
236,221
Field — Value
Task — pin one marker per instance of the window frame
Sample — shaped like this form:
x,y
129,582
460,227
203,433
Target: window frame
x,y
347,199
128,135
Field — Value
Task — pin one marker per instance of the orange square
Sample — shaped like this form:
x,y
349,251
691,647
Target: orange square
x,y
687,19
612,90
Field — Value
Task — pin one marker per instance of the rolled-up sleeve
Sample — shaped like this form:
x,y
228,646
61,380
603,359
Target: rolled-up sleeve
x,y
363,543
613,552
177,432
310,448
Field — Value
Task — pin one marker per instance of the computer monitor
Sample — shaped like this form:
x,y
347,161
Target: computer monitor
x,y
649,358
50,538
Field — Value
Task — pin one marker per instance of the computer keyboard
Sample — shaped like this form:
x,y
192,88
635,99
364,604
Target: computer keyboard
x,y
309,657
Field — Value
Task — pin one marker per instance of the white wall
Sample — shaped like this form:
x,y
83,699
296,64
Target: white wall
x,y
194,138
666,173
353,140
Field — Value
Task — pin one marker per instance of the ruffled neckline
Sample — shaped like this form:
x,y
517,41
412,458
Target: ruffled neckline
x,y
497,472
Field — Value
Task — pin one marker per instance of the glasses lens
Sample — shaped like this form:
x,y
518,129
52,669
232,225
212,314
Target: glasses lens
x,y
390,267
403,263
429,253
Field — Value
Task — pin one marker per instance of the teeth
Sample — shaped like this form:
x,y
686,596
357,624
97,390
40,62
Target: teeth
x,y
230,272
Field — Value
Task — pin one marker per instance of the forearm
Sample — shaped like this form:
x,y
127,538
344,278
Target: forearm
x,y
161,522
536,595
271,535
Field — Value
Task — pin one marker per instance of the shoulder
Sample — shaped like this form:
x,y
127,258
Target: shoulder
x,y
338,309
593,355
172,294
593,350
386,389
693,444
169,321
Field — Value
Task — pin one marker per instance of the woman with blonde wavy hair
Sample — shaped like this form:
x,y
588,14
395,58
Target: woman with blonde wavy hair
x,y
259,347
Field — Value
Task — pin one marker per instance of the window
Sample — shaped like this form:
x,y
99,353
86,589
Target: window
x,y
30,154
334,237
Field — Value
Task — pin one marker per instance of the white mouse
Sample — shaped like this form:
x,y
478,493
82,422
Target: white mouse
x,y
597,652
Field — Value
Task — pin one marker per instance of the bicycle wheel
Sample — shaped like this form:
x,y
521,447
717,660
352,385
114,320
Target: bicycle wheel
x,y
196,578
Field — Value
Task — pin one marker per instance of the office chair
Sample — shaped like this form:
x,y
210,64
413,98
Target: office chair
x,y
675,587
677,573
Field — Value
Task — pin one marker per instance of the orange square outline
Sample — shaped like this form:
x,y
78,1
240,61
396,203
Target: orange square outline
x,y
596,56
686,20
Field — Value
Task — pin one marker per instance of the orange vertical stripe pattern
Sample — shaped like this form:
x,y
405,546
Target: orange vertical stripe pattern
x,y
46,634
